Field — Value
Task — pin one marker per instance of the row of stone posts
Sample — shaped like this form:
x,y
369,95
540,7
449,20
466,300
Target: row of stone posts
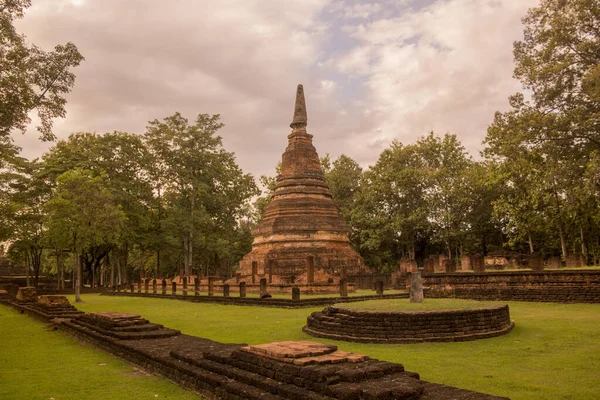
x,y
226,288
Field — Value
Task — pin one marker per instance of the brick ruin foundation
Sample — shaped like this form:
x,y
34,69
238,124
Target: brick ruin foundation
x,y
302,238
409,327
553,286
282,370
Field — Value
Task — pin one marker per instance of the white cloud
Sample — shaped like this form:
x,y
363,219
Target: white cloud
x,y
445,68
389,70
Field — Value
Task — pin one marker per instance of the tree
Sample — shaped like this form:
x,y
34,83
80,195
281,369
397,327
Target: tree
x,y
205,192
31,78
83,214
123,161
559,62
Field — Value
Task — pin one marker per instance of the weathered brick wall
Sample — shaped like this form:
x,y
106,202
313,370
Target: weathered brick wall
x,y
409,327
552,286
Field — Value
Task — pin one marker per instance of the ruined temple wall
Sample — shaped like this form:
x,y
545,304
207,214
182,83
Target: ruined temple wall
x,y
553,286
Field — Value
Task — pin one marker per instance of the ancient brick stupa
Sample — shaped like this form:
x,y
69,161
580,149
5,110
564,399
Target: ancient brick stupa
x,y
302,238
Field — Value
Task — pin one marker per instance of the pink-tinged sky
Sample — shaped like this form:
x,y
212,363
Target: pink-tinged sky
x,y
372,72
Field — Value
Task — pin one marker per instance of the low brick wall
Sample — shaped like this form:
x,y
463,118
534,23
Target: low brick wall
x,y
409,327
545,286
256,301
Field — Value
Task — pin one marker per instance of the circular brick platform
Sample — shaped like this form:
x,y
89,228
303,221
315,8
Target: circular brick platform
x,y
409,327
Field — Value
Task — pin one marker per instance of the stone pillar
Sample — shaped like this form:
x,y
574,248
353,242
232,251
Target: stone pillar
x,y
225,290
263,286
211,286
379,288
573,261
343,287
173,288
146,283
184,280
196,286
554,263
536,262
139,288
478,263
408,265
164,286
242,289
416,288
429,266
449,265
154,286
465,263
295,293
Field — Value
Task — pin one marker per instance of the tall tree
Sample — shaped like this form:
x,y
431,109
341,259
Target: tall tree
x,y
205,190
30,78
82,215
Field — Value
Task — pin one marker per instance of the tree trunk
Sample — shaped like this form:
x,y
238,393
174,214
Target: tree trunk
x,y
563,243
119,276
112,271
79,268
530,242
57,270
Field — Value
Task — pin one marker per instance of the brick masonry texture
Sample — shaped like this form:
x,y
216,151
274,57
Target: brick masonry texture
x,y
302,237
546,286
282,370
409,327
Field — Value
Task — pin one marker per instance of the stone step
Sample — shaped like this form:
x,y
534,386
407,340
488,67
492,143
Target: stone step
x,y
152,334
251,379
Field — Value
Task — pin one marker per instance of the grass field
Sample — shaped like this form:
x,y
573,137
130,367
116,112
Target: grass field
x,y
553,352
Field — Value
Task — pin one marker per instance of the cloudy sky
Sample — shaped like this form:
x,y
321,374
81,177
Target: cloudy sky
x,y
372,71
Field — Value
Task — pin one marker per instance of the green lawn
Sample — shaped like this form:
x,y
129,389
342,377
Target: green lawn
x,y
553,352
39,363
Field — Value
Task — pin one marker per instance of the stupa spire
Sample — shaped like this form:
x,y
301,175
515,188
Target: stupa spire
x,y
300,120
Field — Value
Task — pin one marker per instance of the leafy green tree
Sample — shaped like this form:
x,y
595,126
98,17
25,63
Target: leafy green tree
x,y
446,165
343,177
205,192
122,159
82,215
30,78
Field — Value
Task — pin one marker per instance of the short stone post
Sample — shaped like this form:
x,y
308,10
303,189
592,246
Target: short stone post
x,y
196,286
263,286
131,287
379,288
343,287
139,288
154,286
225,290
164,286
416,288
242,289
174,288
295,293
146,283
184,280
211,286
